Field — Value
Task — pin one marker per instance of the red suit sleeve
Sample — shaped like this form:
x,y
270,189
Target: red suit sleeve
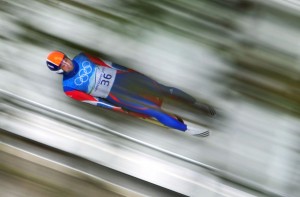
x,y
97,60
100,62
80,96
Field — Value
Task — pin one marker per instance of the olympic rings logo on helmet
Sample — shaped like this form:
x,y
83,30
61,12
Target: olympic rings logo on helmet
x,y
83,73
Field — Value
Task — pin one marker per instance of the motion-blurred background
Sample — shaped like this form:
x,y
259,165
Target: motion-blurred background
x,y
241,56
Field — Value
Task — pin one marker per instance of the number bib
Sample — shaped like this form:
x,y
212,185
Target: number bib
x,y
104,80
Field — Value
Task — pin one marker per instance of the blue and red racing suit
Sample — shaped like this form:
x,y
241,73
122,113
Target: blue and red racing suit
x,y
112,86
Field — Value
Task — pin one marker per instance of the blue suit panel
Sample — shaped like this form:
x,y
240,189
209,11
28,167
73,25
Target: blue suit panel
x,y
80,78
89,77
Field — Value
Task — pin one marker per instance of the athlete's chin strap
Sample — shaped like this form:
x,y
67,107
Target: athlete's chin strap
x,y
60,71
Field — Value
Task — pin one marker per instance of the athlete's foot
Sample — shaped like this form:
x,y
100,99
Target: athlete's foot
x,y
203,134
197,132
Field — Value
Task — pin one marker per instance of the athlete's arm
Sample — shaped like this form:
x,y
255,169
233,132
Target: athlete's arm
x,y
87,98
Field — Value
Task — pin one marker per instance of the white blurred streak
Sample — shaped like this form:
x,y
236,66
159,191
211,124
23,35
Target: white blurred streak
x,y
109,152
288,4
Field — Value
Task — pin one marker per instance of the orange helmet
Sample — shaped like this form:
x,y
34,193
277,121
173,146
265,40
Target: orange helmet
x,y
54,60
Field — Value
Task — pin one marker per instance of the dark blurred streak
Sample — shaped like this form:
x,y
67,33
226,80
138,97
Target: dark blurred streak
x,y
208,17
266,79
288,102
180,13
238,5
42,38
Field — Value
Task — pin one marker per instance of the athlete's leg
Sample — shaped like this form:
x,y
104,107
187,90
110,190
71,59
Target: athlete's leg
x,y
177,94
141,105
167,119
138,84
182,96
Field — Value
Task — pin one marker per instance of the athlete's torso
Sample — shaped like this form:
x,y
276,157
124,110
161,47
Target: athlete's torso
x,y
89,78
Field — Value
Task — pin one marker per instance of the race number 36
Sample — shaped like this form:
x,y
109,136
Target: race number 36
x,y
106,79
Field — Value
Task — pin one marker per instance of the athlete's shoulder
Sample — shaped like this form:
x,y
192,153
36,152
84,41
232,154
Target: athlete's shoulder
x,y
105,63
80,56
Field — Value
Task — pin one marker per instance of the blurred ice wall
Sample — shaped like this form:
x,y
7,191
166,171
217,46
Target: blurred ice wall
x,y
242,56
